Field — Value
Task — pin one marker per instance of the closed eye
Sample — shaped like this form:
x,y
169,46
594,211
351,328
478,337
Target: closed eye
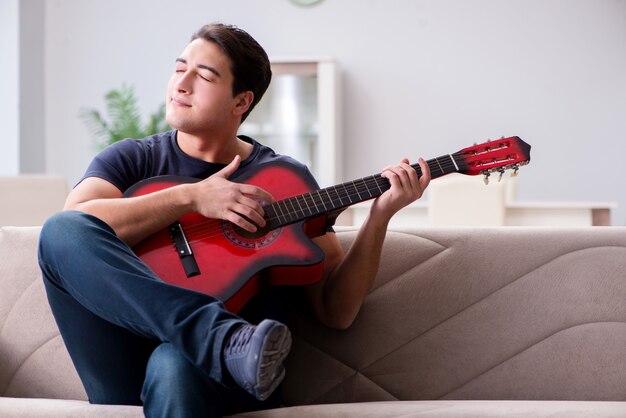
x,y
181,65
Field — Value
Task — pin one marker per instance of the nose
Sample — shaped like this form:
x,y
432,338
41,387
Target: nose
x,y
183,84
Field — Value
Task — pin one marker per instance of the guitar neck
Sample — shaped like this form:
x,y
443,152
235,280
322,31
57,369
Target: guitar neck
x,y
336,198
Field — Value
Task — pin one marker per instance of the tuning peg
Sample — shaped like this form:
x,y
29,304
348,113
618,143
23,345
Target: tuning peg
x,y
515,170
501,171
486,178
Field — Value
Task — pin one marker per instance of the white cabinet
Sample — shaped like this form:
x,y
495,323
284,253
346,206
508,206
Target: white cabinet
x,y
299,116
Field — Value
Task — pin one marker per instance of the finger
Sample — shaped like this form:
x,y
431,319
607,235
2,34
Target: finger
x,y
257,192
403,161
402,177
392,176
240,221
227,171
252,210
426,176
413,178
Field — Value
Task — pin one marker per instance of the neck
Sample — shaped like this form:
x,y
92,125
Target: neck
x,y
213,149
336,198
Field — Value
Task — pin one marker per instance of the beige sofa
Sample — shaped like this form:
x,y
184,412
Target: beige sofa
x,y
490,322
29,199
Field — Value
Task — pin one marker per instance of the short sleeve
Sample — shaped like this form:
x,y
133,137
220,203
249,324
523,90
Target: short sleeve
x,y
121,164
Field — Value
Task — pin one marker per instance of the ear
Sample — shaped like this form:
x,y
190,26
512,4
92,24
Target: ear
x,y
243,101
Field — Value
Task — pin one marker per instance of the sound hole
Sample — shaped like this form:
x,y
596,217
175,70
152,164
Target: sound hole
x,y
249,240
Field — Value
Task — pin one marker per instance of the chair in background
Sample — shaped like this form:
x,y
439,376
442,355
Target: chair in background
x,y
459,200
28,200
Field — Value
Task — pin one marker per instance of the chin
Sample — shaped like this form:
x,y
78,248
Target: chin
x,y
174,122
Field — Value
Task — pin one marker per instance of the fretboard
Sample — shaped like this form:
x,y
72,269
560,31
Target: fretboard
x,y
336,198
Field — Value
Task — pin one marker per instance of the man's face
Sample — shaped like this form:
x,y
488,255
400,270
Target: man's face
x,y
199,93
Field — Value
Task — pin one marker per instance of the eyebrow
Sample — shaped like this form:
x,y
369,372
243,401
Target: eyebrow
x,y
206,67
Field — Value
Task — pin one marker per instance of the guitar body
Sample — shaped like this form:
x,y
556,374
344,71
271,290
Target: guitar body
x,y
233,265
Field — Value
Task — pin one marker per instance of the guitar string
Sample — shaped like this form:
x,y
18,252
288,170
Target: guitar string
x,y
448,164
370,183
211,227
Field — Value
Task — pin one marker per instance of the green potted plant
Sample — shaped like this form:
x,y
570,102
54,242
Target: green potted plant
x,y
124,118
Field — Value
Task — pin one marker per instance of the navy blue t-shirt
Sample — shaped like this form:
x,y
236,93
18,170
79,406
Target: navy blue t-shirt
x,y
127,162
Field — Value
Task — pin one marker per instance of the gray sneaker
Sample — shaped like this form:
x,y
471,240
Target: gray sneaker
x,y
254,356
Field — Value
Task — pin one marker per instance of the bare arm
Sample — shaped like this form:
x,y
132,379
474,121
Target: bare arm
x,y
135,218
337,298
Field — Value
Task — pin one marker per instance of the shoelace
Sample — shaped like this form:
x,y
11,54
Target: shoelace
x,y
240,338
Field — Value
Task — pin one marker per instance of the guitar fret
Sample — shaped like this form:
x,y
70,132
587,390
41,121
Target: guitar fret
x,y
357,190
312,203
293,207
322,200
306,202
307,197
300,206
288,214
440,167
364,189
377,185
268,213
277,204
346,191
453,162
330,199
339,197
316,203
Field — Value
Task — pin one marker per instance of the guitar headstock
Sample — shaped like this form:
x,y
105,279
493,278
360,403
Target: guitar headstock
x,y
496,155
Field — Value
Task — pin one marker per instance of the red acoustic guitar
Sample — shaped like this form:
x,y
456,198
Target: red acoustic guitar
x,y
218,258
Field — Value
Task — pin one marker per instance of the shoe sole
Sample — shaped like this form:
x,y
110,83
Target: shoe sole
x,y
271,372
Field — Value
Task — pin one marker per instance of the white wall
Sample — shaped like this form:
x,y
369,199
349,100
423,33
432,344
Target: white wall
x,y
22,110
31,86
419,77
9,92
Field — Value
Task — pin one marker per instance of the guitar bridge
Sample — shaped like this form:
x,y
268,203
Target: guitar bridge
x,y
181,244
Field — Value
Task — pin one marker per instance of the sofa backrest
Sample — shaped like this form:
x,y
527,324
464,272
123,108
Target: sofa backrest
x,y
28,200
477,313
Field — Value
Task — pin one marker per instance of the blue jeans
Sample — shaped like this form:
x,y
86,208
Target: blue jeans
x,y
130,335
176,388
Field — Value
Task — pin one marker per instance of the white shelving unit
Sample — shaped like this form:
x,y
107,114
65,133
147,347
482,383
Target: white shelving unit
x,y
299,115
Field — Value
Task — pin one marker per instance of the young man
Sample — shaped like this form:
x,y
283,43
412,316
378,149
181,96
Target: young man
x,y
137,340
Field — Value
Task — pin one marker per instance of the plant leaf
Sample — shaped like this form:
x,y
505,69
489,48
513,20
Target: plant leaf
x,y
124,118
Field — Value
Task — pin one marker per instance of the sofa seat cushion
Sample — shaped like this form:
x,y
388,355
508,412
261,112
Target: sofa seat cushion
x,y
451,409
58,408
34,362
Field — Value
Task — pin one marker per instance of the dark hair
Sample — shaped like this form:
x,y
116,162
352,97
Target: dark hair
x,y
250,64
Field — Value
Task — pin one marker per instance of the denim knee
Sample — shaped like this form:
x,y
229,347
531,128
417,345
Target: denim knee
x,y
65,230
174,387
169,365
59,229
